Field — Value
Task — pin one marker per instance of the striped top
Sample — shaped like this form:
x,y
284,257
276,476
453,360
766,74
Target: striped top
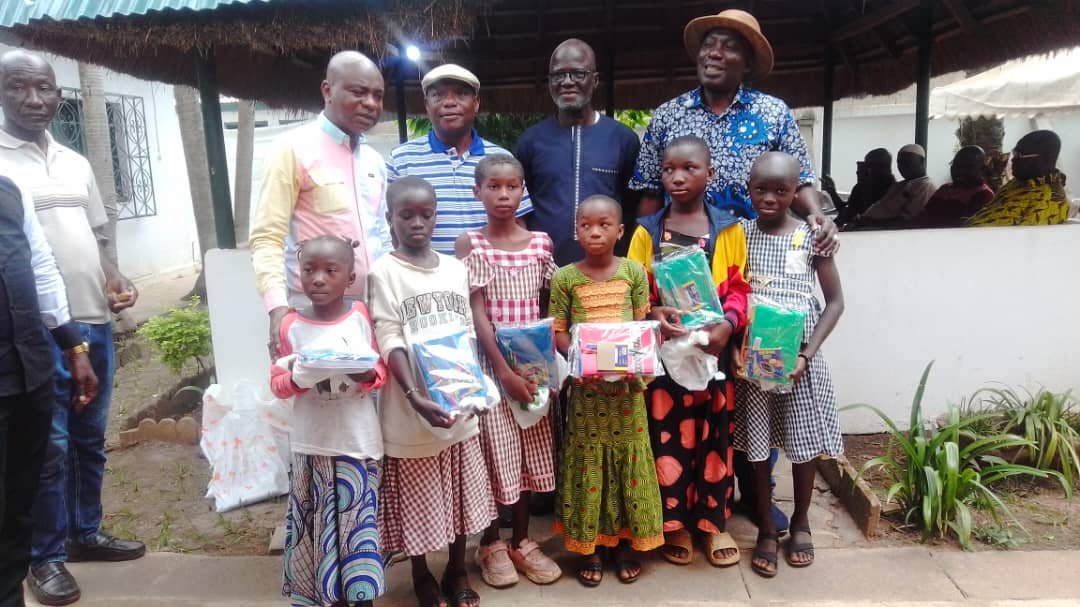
x,y
453,177
69,206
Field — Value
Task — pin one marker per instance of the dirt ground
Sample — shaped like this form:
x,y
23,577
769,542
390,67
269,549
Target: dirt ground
x,y
154,492
1047,519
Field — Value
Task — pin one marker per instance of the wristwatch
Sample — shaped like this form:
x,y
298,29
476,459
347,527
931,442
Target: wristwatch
x,y
83,348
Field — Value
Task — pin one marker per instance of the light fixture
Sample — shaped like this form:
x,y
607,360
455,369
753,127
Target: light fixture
x,y
412,53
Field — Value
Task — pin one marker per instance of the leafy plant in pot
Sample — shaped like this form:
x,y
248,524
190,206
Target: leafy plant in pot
x,y
937,482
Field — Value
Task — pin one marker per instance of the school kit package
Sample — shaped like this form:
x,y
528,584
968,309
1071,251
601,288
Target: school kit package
x,y
772,344
686,283
614,350
450,371
529,349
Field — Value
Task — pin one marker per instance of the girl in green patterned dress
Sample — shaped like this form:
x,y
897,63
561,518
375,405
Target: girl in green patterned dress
x,y
607,490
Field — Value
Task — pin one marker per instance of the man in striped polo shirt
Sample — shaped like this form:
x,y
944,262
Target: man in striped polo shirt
x,y
447,156
67,510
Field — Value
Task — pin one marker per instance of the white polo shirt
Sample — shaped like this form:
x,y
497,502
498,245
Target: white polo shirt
x,y
69,207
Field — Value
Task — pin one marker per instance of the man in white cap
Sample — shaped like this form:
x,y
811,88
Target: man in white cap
x,y
447,156
905,199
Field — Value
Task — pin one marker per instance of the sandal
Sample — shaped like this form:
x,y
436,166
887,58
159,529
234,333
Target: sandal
x,y
679,539
791,547
590,564
464,595
537,566
496,565
623,566
769,556
716,542
427,593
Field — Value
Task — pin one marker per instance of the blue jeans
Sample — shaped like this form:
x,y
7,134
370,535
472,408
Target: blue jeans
x,y
68,503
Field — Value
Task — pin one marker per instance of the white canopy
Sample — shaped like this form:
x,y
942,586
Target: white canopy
x,y
1019,88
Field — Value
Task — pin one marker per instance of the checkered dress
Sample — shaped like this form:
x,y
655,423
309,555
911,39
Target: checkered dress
x,y
803,421
517,459
425,502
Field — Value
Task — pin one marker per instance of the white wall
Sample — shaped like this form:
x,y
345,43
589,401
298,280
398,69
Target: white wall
x,y
988,304
163,245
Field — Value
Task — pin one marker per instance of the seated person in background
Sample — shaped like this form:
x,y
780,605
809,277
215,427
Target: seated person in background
x,y
905,199
874,178
953,203
1036,194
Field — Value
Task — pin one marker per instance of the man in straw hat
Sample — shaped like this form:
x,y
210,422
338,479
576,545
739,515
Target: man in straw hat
x,y
447,156
739,124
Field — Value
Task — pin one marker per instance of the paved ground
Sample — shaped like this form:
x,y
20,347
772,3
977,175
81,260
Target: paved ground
x,y
851,576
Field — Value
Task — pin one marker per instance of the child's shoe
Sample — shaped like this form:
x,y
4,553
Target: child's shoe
x,y
496,567
537,566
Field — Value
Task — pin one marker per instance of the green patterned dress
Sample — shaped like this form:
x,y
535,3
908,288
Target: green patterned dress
x,y
607,488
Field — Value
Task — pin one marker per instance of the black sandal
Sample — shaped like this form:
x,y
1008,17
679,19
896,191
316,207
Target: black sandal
x,y
463,595
769,556
623,565
790,547
590,564
432,597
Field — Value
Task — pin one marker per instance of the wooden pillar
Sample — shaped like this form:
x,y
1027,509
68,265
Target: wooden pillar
x,y
827,114
399,92
206,77
922,75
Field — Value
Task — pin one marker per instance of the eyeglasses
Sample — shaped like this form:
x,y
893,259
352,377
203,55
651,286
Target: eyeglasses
x,y
1018,156
576,76
439,95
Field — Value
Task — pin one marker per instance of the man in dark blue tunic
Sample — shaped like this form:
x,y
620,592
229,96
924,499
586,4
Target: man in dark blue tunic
x,y
576,153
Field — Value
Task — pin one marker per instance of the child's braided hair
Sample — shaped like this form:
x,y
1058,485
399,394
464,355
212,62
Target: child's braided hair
x,y
347,245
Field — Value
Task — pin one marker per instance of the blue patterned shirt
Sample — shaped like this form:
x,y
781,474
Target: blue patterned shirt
x,y
755,123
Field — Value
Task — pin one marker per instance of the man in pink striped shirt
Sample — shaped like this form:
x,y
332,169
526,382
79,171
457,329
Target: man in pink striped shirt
x,y
323,179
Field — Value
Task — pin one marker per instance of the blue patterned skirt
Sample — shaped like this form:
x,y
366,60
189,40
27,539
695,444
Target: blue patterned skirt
x,y
332,542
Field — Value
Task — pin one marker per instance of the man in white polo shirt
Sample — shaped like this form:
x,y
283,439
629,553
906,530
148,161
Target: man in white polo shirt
x,y
447,156
67,510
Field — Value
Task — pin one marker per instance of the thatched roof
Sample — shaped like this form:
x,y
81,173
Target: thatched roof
x,y
274,51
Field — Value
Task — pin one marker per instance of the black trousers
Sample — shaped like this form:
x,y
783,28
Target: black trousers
x,y
24,432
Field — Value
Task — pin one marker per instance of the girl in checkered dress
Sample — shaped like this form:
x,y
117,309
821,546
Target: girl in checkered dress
x,y
782,265
510,272
434,491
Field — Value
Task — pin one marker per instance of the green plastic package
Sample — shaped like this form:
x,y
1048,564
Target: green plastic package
x,y
772,344
686,283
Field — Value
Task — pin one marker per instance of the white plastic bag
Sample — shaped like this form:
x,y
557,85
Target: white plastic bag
x,y
245,439
687,364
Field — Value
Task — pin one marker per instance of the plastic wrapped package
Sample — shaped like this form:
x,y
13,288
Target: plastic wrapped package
x,y
686,283
245,437
615,350
529,349
772,343
687,364
451,372
343,361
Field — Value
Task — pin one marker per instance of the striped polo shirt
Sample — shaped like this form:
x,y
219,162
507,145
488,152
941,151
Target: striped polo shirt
x,y
69,207
453,177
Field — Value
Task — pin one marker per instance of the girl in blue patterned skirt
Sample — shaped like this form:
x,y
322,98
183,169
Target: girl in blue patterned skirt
x,y
332,555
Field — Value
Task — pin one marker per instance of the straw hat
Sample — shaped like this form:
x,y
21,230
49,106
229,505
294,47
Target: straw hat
x,y
735,20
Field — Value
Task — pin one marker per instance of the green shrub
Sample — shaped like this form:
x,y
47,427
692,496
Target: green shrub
x,y
180,335
937,482
1046,420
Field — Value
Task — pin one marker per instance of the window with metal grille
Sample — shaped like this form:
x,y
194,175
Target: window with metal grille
x,y
133,179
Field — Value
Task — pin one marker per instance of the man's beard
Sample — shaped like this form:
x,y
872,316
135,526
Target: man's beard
x,y
574,108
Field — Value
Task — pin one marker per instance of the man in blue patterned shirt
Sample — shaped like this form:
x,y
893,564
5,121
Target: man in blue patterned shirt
x,y
738,123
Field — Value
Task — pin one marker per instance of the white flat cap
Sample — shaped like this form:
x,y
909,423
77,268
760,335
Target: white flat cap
x,y
450,71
